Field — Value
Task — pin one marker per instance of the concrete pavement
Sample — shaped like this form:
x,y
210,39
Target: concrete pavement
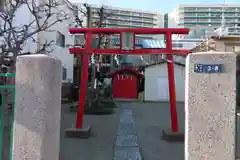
x,y
149,120
99,147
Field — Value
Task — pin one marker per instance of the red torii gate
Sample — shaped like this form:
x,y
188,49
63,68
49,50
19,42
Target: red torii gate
x,y
89,34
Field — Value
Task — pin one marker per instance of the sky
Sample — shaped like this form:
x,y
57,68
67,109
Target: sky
x,y
161,6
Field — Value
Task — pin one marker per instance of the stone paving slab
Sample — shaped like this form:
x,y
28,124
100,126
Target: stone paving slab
x,y
127,153
126,146
126,141
126,129
125,106
127,111
126,118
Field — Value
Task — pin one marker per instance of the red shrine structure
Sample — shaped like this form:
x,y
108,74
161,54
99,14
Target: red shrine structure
x,y
125,82
127,47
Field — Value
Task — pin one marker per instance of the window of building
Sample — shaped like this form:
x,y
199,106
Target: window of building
x,y
189,8
79,40
136,14
189,20
2,4
229,48
147,15
113,21
111,11
202,9
229,19
202,20
60,40
215,20
189,14
136,19
137,24
148,25
113,17
124,23
229,14
231,29
148,21
216,8
124,12
230,9
177,45
237,48
124,17
202,14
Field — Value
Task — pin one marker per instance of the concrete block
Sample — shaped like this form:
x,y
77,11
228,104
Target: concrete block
x,y
79,132
210,108
170,136
37,108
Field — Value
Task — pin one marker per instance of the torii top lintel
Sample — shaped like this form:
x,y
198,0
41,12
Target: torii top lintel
x,y
165,31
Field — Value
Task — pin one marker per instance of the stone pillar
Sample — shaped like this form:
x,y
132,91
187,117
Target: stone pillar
x,y
210,106
37,108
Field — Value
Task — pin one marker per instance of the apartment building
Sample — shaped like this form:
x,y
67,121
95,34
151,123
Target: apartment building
x,y
204,19
121,18
127,18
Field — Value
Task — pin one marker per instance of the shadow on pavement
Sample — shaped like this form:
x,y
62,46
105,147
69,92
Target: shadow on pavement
x,y
151,119
98,147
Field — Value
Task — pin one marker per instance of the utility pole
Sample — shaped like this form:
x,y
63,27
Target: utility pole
x,y
99,45
89,25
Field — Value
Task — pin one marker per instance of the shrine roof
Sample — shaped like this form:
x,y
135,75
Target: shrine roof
x,y
130,70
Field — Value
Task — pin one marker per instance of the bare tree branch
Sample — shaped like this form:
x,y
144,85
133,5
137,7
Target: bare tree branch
x,y
45,15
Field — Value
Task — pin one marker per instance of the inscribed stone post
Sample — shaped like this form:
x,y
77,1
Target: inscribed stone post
x,y
37,108
210,106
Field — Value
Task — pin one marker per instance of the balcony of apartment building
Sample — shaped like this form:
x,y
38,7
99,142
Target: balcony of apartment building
x,y
117,23
148,16
228,31
203,22
121,13
215,10
234,31
136,19
194,10
118,18
136,14
201,17
228,10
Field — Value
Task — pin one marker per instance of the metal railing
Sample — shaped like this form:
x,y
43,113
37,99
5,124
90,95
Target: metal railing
x,y
6,117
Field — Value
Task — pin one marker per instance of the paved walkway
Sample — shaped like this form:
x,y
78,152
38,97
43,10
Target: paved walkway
x,y
126,145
